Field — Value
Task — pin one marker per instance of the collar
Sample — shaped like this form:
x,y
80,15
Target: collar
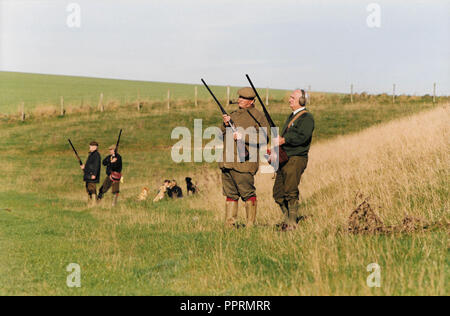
x,y
299,110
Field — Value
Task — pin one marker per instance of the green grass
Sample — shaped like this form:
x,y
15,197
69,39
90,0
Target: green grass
x,y
43,90
175,255
171,248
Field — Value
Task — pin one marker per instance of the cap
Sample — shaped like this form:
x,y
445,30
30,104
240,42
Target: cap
x,y
247,93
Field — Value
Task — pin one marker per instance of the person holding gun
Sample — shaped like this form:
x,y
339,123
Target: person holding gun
x,y
113,164
295,140
92,172
238,176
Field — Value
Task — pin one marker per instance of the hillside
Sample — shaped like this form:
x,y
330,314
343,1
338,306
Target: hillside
x,y
43,91
180,247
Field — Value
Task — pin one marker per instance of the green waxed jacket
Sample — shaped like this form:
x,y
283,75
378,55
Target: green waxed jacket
x,y
298,137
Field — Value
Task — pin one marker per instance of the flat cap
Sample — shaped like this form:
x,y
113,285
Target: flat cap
x,y
247,93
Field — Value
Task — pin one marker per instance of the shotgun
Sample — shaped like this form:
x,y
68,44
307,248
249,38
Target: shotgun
x,y
117,145
76,153
242,152
282,155
232,125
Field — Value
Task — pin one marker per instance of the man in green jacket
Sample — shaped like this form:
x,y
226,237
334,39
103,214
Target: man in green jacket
x,y
241,157
295,139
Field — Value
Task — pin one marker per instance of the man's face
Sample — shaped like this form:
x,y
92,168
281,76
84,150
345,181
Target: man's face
x,y
111,152
92,148
245,103
294,100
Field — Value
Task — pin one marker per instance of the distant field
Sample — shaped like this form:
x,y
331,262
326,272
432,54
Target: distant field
x,y
43,90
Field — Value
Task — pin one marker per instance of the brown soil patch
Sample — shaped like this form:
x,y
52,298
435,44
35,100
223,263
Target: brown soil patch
x,y
364,220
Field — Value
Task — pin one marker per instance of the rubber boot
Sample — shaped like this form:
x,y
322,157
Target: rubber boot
x,y
250,209
293,214
285,210
231,213
114,202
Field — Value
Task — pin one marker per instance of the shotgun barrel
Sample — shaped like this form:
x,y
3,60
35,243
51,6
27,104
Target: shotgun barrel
x,y
118,143
281,155
266,113
224,112
76,153
242,152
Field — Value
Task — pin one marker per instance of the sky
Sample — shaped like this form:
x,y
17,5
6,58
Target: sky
x,y
325,44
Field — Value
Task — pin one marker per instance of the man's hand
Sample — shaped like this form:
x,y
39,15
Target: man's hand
x,y
82,167
226,119
237,136
271,155
280,141
93,177
113,160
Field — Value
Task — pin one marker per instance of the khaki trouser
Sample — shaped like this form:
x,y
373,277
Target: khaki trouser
x,y
238,184
107,184
287,181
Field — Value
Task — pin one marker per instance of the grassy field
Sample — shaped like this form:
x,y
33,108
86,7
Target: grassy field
x,y
398,156
44,91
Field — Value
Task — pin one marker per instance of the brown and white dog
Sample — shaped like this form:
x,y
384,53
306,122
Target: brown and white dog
x,y
162,191
144,194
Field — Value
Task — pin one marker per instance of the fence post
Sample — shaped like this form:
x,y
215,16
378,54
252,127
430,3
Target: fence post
x,y
100,103
393,94
267,96
228,96
434,93
168,99
196,96
351,93
22,109
62,106
309,94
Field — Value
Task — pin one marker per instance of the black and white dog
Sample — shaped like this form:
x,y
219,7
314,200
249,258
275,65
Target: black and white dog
x,y
190,186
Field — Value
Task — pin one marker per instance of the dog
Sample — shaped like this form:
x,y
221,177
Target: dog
x,y
190,186
174,190
163,190
144,194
